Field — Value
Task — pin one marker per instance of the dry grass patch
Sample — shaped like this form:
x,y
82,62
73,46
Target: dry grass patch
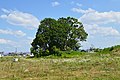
x,y
88,67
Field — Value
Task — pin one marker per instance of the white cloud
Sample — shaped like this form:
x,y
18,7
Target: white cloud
x,y
78,4
3,16
11,32
92,16
95,21
30,39
104,31
20,33
5,10
10,43
20,19
5,41
79,10
54,4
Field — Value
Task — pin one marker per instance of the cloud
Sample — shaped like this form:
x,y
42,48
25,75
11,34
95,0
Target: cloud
x,y
99,30
20,19
11,44
5,10
95,22
30,39
11,32
54,4
92,16
79,10
5,41
20,33
78,4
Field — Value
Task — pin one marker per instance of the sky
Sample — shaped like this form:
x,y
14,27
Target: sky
x,y
19,21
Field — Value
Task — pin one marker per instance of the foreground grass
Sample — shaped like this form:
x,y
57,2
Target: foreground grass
x,y
87,67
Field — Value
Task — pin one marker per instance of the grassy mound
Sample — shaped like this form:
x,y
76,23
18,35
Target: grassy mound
x,y
111,50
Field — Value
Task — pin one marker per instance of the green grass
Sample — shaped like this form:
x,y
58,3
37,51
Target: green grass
x,y
110,50
67,54
81,67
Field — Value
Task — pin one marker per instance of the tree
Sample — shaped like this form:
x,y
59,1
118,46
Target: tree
x,y
62,33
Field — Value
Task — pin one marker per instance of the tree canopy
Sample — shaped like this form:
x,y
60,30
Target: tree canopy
x,y
62,34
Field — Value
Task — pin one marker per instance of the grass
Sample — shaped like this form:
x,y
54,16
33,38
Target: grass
x,y
83,67
67,54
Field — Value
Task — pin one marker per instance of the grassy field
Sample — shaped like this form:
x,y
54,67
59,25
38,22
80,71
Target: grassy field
x,y
85,67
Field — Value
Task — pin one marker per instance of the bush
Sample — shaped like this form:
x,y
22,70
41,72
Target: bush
x,y
45,53
56,51
97,50
107,50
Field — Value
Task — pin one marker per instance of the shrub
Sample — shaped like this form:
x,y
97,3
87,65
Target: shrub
x,y
56,51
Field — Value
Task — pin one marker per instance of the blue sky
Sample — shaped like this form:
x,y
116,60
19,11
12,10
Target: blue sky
x,y
19,21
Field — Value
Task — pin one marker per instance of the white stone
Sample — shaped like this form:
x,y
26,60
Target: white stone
x,y
15,59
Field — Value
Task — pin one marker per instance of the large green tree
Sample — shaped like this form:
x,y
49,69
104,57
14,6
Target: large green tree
x,y
63,33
